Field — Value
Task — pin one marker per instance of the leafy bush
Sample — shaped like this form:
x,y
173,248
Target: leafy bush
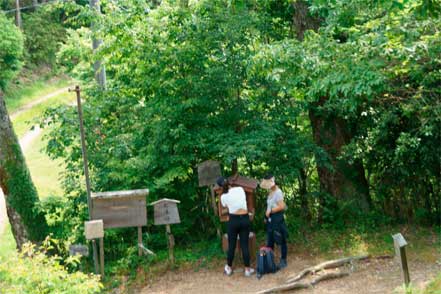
x,y
36,273
11,50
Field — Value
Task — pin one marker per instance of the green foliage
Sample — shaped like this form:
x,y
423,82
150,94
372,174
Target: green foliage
x,y
75,54
43,32
11,50
227,81
35,272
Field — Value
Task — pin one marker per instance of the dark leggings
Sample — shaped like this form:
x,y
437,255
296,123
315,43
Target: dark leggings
x,y
283,246
238,225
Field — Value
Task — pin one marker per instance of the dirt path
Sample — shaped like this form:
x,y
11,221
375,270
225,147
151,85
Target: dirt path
x,y
376,276
38,101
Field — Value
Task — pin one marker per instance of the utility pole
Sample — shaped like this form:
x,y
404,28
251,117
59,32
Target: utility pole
x,y
99,69
18,21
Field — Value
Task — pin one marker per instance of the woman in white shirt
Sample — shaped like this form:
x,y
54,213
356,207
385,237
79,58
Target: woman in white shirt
x,y
234,199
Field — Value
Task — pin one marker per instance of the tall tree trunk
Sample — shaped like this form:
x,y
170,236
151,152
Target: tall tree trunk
x,y
18,21
20,194
343,181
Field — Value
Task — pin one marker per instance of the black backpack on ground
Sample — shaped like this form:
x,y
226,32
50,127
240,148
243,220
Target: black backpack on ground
x,y
265,262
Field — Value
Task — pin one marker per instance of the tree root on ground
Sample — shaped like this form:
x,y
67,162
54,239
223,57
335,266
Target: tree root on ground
x,y
325,265
300,285
292,283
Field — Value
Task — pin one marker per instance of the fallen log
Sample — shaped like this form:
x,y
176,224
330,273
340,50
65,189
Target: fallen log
x,y
325,265
300,285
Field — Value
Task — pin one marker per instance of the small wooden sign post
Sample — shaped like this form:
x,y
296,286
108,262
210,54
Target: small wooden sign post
x,y
95,230
400,253
166,213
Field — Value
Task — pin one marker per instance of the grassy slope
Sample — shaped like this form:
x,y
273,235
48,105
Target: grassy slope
x,y
16,96
44,171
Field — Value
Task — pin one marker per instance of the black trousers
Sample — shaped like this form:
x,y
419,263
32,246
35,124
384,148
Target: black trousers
x,y
239,225
277,223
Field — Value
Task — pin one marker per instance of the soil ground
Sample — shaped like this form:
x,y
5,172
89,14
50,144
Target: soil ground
x,y
372,276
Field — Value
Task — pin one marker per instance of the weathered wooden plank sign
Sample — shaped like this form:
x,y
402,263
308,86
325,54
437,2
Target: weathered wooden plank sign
x,y
208,172
400,253
120,209
166,212
78,249
94,229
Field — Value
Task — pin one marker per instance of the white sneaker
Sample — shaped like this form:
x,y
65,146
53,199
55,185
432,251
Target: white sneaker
x,y
227,270
249,273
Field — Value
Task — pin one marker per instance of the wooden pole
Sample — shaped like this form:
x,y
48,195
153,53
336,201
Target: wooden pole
x,y
400,253
95,256
102,256
86,169
139,241
171,244
213,203
404,266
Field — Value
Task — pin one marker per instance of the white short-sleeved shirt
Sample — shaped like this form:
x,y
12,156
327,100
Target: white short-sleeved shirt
x,y
235,199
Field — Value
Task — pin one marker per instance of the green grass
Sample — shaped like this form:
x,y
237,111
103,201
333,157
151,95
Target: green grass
x,y
7,244
17,97
45,172
434,286
352,241
26,119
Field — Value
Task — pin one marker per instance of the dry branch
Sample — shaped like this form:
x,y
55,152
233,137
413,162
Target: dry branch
x,y
325,265
299,285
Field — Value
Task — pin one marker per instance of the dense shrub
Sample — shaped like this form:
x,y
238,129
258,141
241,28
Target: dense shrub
x,y
34,272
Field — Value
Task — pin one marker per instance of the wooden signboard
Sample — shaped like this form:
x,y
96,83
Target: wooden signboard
x,y
120,209
166,212
208,172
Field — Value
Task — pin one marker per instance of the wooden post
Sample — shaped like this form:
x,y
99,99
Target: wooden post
x,y
400,253
213,203
95,256
139,241
171,244
102,257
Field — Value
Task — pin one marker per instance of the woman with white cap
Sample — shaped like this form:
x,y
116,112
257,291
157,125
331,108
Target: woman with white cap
x,y
275,219
234,198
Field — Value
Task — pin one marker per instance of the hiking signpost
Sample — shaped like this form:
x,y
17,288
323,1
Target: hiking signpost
x,y
400,253
166,213
94,229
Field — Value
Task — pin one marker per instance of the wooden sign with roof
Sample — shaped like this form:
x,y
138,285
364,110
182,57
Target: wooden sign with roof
x,y
166,212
